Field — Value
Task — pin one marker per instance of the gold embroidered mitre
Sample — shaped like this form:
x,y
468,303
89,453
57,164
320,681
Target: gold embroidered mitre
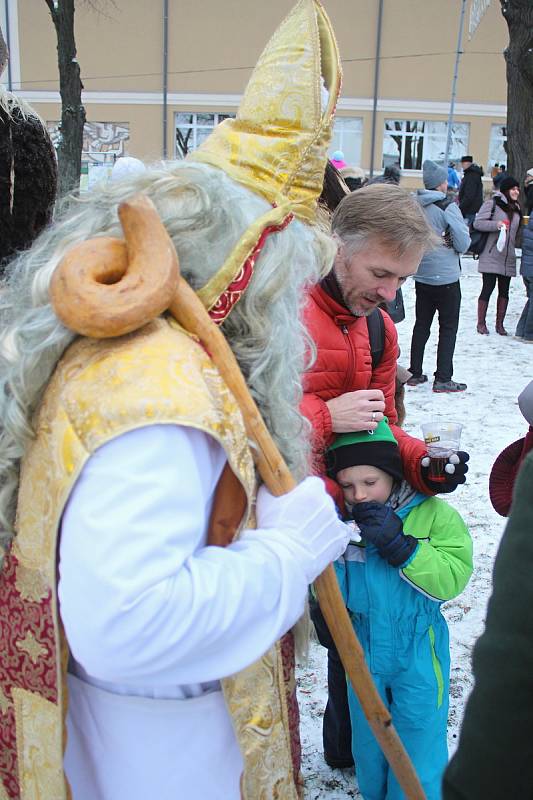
x,y
277,145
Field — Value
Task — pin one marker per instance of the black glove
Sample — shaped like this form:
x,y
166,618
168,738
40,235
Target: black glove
x,y
381,526
451,480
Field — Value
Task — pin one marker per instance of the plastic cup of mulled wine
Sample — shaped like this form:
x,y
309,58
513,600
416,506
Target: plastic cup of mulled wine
x,y
442,440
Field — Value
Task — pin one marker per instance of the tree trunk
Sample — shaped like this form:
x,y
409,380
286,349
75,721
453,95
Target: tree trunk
x,y
519,59
70,86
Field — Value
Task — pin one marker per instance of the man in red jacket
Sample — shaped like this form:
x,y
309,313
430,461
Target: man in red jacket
x,y
382,235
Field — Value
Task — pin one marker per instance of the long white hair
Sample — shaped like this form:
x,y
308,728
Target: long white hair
x,y
205,213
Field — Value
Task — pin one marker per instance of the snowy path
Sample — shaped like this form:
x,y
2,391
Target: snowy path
x,y
496,369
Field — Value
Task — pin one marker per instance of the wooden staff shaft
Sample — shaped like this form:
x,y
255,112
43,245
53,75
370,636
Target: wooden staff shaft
x,y
189,312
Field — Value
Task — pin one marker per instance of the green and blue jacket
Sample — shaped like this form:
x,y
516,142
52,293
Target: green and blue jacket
x,y
390,607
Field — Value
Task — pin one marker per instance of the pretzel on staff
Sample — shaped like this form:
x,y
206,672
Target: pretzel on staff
x,y
108,287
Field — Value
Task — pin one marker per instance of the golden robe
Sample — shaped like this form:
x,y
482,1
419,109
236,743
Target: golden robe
x,y
100,390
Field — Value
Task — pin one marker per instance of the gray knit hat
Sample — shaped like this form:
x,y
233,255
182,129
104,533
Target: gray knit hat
x,y
433,175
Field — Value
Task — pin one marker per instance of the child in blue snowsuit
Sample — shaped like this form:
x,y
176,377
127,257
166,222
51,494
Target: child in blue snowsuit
x,y
415,553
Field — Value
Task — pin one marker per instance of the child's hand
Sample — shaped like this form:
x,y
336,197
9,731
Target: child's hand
x,y
383,528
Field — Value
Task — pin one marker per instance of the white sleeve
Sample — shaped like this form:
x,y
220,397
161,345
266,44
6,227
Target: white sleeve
x,y
142,599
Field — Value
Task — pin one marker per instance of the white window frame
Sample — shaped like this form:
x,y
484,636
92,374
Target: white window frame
x,y
423,134
218,116
497,138
341,136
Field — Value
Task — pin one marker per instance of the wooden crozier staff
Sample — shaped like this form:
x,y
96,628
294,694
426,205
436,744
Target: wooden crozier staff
x,y
108,287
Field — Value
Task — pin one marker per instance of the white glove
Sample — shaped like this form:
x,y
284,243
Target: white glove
x,y
305,522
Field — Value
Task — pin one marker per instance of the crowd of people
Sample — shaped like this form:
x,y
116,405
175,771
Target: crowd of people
x,y
466,223
156,568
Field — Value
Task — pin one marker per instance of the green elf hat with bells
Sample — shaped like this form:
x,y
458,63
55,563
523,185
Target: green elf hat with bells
x,y
377,448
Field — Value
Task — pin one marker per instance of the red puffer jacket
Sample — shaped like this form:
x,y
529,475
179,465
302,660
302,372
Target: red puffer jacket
x,y
344,364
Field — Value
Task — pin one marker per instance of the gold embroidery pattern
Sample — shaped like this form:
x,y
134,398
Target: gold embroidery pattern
x,y
31,584
254,701
39,747
18,618
5,703
31,646
158,375
277,144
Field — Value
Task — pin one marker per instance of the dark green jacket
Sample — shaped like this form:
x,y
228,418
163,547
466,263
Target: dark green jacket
x,y
494,760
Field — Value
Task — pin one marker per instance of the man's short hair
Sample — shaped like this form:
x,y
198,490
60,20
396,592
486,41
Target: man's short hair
x,y
386,215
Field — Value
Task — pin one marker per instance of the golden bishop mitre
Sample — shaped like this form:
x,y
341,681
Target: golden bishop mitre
x,y
277,145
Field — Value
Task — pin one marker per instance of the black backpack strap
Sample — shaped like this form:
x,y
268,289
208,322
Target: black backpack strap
x,y
444,203
376,335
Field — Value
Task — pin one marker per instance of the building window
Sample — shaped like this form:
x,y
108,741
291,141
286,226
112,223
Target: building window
x,y
498,145
410,142
103,143
348,136
192,129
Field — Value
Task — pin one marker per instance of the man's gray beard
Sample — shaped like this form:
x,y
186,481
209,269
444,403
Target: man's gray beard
x,y
362,313
354,311
357,312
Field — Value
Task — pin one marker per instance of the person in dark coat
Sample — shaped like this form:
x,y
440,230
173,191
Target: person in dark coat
x,y
28,176
391,174
336,726
528,189
354,177
493,760
524,329
333,189
471,189
502,210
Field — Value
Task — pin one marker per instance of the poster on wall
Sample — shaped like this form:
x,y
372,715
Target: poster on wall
x,y
103,143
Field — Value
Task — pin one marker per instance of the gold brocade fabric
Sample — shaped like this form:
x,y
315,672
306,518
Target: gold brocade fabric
x,y
277,145
101,389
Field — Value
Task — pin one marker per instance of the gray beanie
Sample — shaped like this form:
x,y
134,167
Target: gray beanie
x,y
433,175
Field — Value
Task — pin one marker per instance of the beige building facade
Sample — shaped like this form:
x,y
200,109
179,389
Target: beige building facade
x,y
135,107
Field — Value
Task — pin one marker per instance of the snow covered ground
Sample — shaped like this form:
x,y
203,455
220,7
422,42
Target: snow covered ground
x,y
496,369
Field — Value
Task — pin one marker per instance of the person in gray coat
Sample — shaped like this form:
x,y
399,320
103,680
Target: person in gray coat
x,y
502,209
437,281
524,329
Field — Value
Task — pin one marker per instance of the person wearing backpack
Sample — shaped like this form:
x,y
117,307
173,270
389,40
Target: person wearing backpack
x,y
381,235
437,280
498,262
